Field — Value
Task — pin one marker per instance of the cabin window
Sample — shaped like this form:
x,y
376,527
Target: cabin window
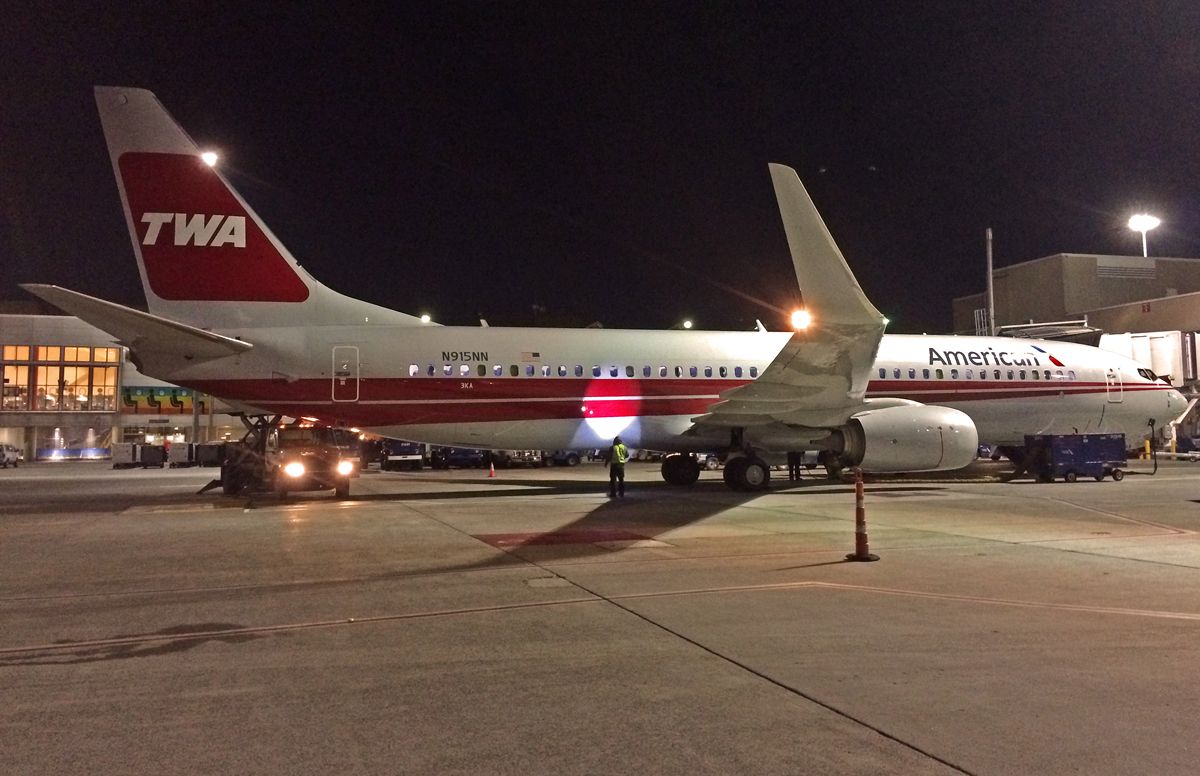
x,y
1070,374
430,370
464,370
530,370
912,374
579,370
1046,374
413,370
1022,374
970,373
562,370
953,374
1058,375
693,371
448,370
613,370
662,371
737,371
925,373
754,371
882,373
940,374
724,372
514,370
481,370
595,370
996,373
628,370
1012,375
647,371
498,370
546,370
679,371
708,371
896,373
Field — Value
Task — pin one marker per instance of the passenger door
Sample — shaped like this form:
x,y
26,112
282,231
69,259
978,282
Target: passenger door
x,y
345,373
1114,385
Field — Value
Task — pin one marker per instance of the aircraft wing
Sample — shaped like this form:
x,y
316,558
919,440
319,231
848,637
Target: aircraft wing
x,y
140,331
820,376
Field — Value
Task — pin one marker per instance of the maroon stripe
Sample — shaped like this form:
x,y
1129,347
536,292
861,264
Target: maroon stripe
x,y
446,400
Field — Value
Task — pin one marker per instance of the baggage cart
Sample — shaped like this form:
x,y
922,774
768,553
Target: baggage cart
x,y
1071,456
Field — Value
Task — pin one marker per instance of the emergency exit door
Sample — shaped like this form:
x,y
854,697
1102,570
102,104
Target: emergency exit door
x,y
345,373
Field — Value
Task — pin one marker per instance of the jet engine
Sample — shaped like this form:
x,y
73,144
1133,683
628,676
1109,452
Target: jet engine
x,y
909,438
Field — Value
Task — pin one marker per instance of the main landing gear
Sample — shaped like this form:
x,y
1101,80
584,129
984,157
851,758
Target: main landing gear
x,y
747,472
743,472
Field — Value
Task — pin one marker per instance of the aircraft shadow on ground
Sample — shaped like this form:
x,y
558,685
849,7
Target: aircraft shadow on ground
x,y
649,510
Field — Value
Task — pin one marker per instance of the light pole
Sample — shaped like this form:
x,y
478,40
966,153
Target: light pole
x,y
1143,222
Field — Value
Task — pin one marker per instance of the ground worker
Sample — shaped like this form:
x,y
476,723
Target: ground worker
x,y
618,454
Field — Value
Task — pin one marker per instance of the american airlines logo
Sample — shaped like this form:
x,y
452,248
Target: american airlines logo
x,y
196,229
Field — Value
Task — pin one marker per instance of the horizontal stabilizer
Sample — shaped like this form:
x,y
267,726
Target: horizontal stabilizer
x,y
140,331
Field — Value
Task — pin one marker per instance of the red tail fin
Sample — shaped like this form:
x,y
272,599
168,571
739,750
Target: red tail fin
x,y
197,240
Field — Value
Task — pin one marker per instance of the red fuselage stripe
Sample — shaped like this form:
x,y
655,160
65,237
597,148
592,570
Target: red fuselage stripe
x,y
413,400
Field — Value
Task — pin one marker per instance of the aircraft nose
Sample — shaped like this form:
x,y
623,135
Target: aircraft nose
x,y
1175,403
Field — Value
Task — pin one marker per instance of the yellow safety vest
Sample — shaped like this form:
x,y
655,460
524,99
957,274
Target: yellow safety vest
x,y
620,453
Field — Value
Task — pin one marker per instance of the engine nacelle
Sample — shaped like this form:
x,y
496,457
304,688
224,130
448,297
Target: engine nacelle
x,y
910,439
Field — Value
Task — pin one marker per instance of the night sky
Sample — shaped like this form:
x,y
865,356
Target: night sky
x,y
569,162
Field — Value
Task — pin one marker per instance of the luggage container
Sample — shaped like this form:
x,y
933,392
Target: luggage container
x,y
210,454
181,455
1072,456
151,455
124,455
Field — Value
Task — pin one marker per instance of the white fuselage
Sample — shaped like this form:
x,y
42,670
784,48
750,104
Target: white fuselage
x,y
577,388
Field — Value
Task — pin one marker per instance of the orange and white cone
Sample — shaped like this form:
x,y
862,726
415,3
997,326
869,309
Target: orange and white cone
x,y
491,470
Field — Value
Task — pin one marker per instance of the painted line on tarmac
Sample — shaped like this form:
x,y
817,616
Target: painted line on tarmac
x,y
1084,608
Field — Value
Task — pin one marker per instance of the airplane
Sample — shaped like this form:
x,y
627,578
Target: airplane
x,y
232,314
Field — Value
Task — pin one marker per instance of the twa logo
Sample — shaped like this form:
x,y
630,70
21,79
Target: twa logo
x,y
198,229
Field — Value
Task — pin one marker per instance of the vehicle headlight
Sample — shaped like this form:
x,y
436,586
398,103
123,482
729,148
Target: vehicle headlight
x,y
294,469
345,467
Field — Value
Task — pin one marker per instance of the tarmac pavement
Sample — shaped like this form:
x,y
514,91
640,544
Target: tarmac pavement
x,y
447,622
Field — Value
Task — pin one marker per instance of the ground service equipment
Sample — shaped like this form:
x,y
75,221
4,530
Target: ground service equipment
x,y
1071,456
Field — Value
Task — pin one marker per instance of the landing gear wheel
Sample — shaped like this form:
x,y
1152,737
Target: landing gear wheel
x,y
1118,475
1070,476
572,459
756,474
680,469
747,474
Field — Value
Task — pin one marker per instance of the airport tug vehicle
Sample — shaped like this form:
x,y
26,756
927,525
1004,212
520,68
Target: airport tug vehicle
x,y
275,458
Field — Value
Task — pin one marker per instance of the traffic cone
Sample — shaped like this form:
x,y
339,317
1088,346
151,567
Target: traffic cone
x,y
491,470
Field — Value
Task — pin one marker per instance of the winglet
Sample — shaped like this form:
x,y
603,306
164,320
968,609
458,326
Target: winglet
x,y
828,286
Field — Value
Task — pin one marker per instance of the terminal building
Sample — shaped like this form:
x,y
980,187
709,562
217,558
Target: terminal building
x,y
70,392
1144,307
